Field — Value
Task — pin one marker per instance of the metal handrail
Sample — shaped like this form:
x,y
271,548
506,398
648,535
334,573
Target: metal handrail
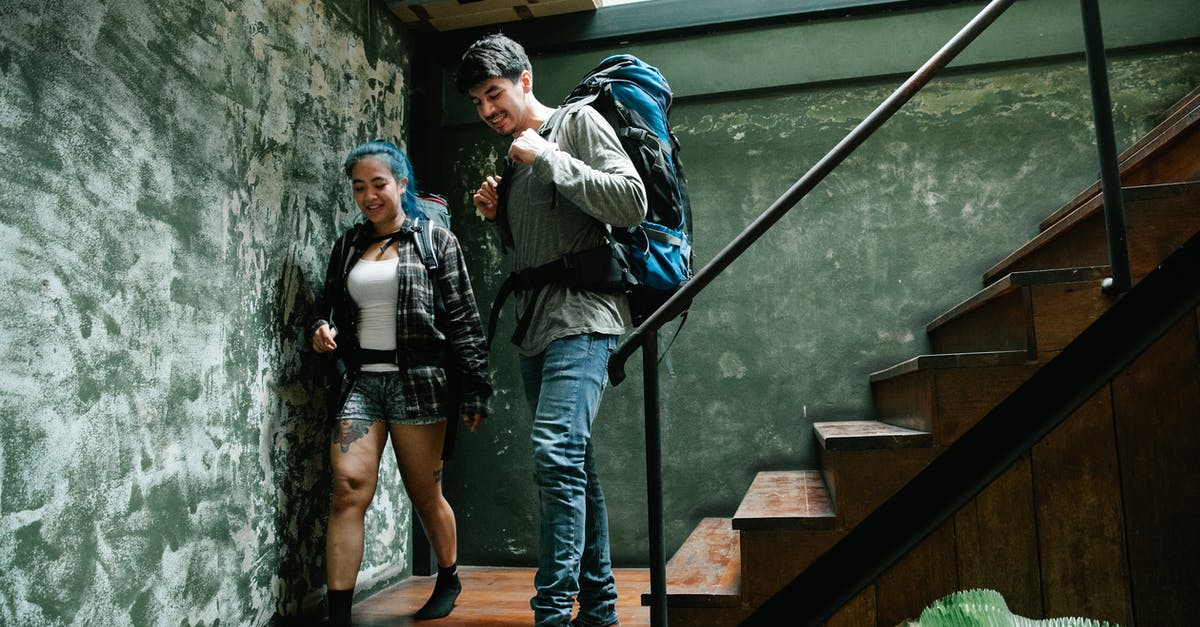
x,y
681,299
645,336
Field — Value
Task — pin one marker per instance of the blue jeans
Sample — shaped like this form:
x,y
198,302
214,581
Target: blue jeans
x,y
564,384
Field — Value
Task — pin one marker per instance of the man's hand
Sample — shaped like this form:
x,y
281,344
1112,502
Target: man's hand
x,y
473,420
486,199
322,339
527,146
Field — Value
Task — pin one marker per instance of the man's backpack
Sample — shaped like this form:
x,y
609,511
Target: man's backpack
x,y
636,100
650,261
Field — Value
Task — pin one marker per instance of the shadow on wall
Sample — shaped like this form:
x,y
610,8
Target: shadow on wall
x,y
301,447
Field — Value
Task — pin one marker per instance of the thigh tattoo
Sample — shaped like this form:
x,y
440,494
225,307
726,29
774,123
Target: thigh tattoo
x,y
348,430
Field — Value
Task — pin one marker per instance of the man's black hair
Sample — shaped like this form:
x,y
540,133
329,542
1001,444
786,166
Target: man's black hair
x,y
492,56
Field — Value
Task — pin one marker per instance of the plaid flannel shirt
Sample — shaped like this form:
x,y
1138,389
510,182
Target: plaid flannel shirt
x,y
420,334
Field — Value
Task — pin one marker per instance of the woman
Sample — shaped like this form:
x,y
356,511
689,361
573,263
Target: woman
x,y
399,329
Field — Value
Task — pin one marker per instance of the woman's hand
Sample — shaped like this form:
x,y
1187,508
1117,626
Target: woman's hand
x,y
473,420
486,200
322,339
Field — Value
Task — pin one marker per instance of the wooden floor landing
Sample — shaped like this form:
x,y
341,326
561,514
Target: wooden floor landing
x,y
492,597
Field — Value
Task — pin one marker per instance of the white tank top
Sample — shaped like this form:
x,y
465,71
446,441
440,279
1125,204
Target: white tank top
x,y
374,286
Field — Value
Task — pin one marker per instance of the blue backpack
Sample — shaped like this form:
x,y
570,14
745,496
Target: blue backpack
x,y
636,100
651,261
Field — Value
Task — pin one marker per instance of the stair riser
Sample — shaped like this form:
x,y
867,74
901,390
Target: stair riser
x,y
906,400
859,481
1038,319
945,401
770,560
1157,223
1002,324
1161,156
707,617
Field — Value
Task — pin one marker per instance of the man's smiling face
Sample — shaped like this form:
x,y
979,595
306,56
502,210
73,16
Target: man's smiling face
x,y
501,103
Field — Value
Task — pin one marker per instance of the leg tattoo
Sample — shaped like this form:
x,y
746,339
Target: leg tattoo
x,y
348,431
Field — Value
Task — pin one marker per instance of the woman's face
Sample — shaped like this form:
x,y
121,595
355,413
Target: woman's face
x,y
378,194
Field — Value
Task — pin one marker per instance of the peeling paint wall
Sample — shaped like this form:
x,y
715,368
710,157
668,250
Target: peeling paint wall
x,y
841,287
169,188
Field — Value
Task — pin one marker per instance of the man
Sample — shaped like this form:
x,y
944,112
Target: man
x,y
560,194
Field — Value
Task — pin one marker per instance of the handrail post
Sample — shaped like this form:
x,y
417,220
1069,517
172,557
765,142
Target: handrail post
x,y
654,483
1106,144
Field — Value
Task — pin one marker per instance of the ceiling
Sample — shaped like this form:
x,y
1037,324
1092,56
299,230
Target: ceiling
x,y
446,15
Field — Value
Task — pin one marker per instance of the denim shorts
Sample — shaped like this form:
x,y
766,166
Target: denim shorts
x,y
379,397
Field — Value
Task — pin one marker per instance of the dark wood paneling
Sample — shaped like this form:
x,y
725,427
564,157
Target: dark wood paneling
x,y
860,611
1080,524
925,574
997,541
1157,406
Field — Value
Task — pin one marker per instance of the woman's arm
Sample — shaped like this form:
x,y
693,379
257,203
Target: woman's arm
x,y
464,330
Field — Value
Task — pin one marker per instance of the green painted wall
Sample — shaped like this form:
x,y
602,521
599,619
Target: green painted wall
x,y
169,188
846,283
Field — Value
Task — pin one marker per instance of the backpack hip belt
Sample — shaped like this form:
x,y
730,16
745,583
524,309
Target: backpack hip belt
x,y
595,269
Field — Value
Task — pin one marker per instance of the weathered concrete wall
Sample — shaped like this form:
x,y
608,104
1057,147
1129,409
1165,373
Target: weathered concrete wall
x,y
843,286
169,187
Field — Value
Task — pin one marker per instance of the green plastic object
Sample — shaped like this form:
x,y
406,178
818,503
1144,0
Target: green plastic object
x,y
986,608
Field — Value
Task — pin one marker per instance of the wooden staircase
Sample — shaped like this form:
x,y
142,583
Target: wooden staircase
x,y
1098,520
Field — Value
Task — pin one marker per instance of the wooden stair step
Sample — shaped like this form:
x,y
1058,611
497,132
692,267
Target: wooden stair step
x,y
859,435
946,394
950,360
1166,154
786,500
1159,219
706,571
1037,311
786,521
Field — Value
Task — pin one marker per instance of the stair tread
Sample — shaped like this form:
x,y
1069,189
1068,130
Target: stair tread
x,y
952,360
1016,280
857,435
706,571
794,499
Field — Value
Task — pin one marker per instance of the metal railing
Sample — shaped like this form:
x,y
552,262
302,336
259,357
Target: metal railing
x,y
645,336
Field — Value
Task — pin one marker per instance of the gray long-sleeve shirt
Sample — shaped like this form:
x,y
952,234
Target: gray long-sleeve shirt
x,y
596,184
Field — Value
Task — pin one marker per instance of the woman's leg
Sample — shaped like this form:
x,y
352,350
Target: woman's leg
x,y
418,451
419,455
354,454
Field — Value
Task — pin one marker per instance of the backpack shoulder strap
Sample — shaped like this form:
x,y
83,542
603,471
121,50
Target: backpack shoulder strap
x,y
423,234
423,237
549,128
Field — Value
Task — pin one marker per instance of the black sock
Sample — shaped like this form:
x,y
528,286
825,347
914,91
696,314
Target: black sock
x,y
445,591
339,602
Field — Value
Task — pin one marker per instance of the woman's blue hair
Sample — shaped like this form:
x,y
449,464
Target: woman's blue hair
x,y
397,162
